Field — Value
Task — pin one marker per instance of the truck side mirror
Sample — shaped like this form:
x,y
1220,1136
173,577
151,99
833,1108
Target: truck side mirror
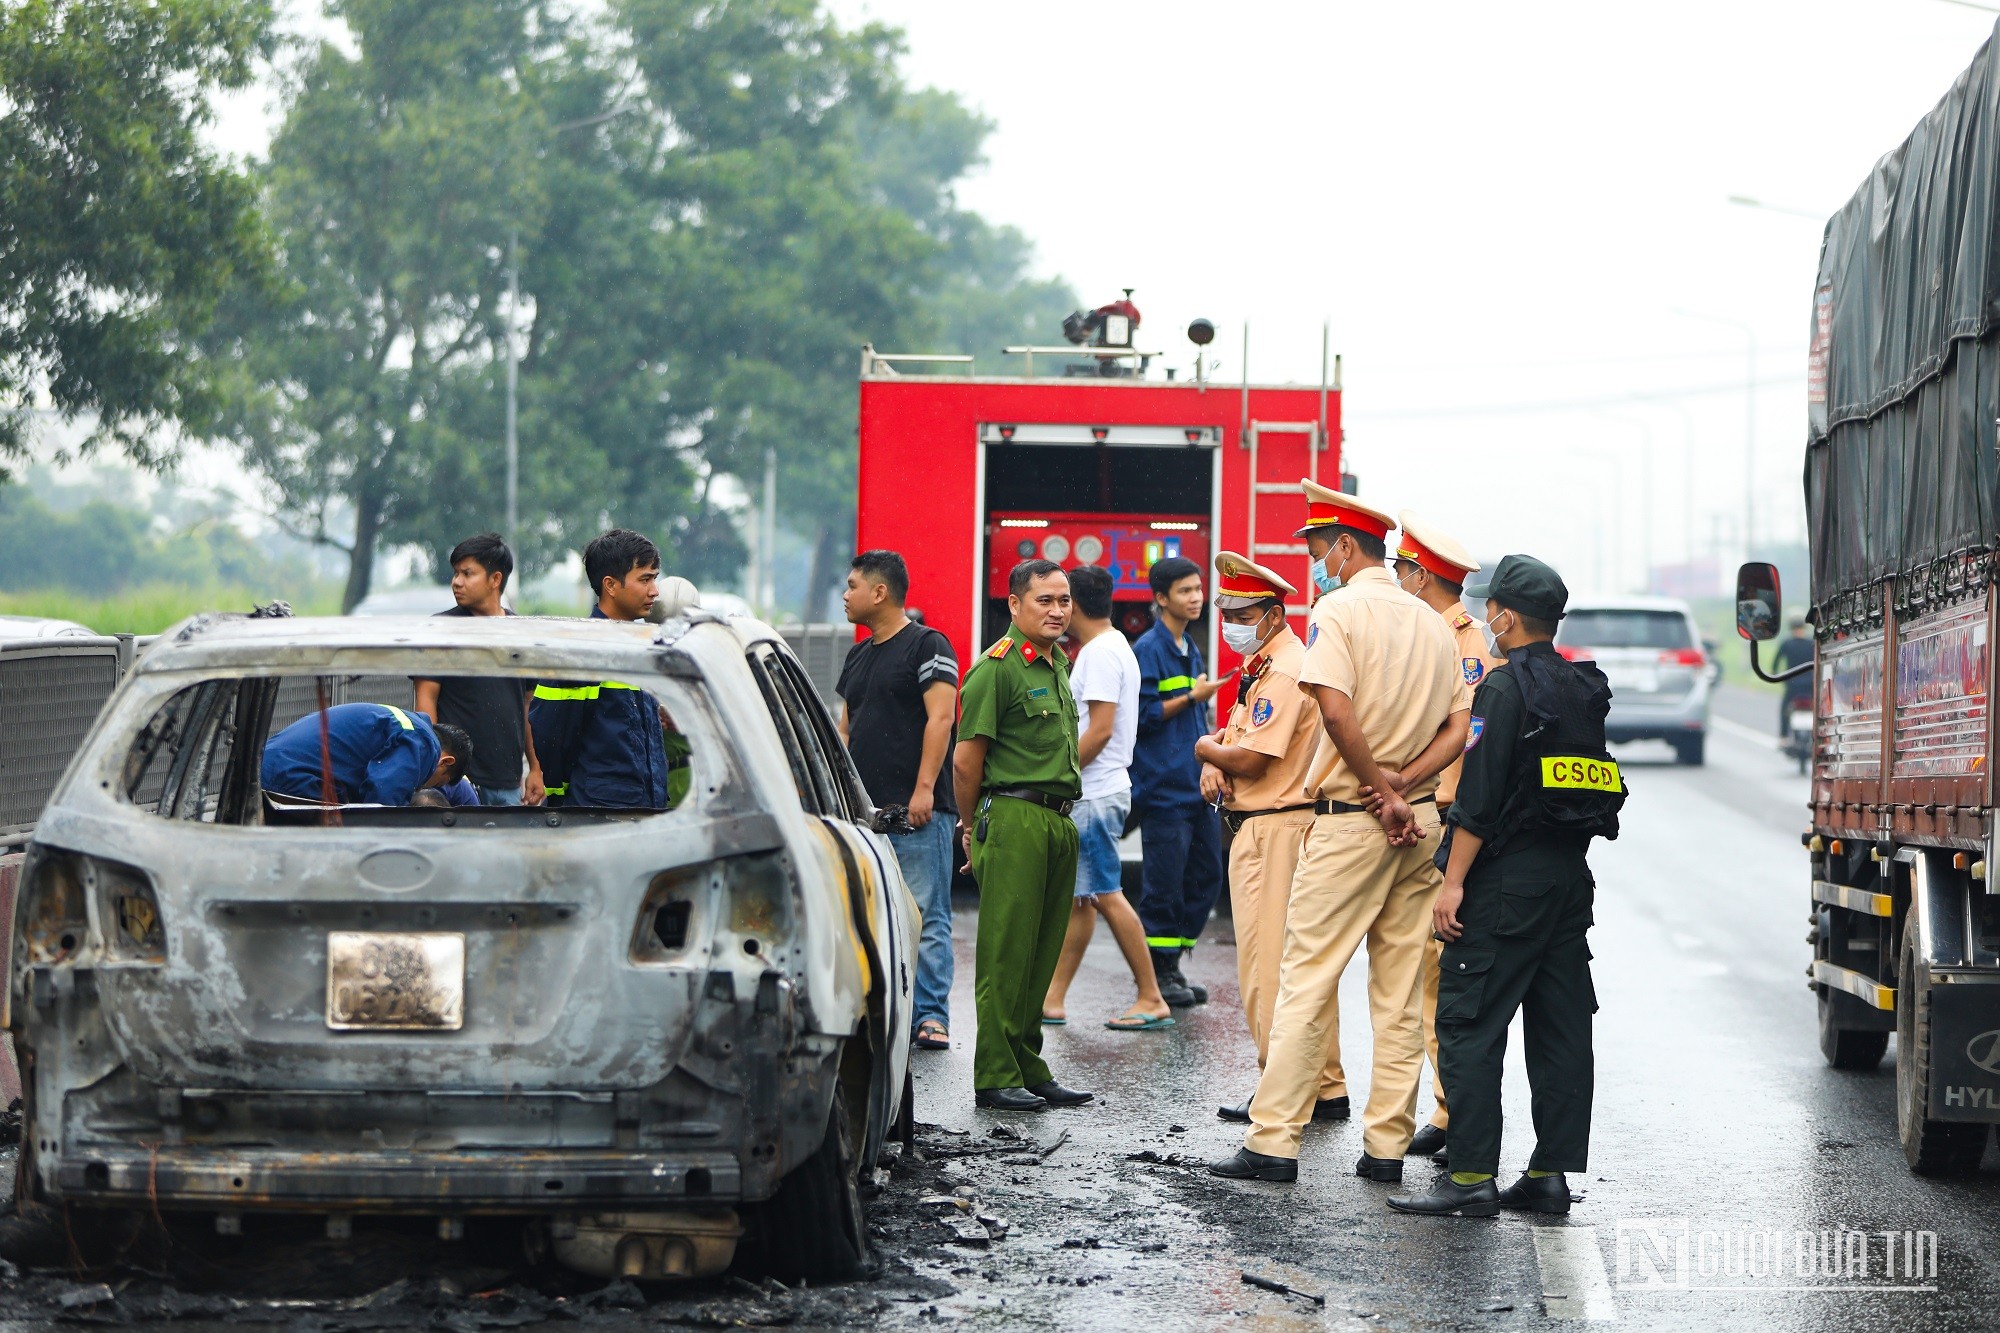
x,y
1757,601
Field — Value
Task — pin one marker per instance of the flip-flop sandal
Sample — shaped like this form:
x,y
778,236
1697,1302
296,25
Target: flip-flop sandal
x,y
932,1036
1146,1023
1048,1022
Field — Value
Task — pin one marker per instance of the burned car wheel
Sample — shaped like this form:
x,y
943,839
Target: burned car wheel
x,y
812,1228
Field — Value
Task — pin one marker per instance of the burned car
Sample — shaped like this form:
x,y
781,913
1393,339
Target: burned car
x,y
648,1034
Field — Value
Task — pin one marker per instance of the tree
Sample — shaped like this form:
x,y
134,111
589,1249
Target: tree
x,y
393,186
118,227
711,206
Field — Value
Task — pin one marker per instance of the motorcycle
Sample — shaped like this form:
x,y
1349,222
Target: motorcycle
x,y
1799,732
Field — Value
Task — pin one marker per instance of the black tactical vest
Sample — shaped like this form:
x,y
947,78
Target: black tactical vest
x,y
1565,781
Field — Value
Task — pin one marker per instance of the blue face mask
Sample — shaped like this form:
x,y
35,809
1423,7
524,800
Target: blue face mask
x,y
1322,580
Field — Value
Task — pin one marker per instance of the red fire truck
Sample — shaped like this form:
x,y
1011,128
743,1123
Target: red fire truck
x,y
1102,462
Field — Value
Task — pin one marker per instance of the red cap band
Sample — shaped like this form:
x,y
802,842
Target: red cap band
x,y
1412,549
1245,584
1320,514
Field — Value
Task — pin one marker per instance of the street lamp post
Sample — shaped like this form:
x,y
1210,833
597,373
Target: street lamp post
x,y
513,386
1749,421
1645,496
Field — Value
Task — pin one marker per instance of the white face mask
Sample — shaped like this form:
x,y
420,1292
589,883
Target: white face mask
x,y
1242,639
1493,637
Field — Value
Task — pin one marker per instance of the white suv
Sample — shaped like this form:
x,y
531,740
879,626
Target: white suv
x,y
1651,652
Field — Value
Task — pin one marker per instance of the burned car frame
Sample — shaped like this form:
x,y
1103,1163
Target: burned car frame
x,y
646,1034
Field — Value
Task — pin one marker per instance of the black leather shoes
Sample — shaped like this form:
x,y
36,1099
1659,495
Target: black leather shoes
x,y
1247,1165
1333,1108
1055,1094
1546,1194
1449,1200
1388,1169
1008,1099
1428,1141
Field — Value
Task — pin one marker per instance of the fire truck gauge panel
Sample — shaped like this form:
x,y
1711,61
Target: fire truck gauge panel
x,y
1128,545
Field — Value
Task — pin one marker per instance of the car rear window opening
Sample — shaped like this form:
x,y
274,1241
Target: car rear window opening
x,y
1605,628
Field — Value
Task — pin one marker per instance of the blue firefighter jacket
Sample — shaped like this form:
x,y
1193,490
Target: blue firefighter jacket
x,y
600,743
381,755
1165,774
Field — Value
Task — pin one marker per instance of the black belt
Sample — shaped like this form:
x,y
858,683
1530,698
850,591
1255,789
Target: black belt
x,y
1234,818
1033,797
1343,808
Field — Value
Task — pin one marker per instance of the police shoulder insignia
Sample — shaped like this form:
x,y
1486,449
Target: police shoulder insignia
x,y
1260,712
1312,634
1461,620
999,649
1478,729
1473,668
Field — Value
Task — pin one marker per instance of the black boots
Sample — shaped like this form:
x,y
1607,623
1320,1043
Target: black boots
x,y
1175,988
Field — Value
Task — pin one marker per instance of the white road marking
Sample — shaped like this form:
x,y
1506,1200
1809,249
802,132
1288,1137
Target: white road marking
x,y
1573,1282
1743,733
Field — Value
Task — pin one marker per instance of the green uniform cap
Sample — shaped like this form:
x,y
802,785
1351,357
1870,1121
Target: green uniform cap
x,y
1523,583
1018,698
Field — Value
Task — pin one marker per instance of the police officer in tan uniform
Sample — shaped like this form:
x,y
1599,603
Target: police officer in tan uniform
x,y
1256,766
1431,567
1394,709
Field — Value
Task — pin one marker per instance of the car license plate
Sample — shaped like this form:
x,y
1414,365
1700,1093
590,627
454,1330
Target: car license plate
x,y
398,983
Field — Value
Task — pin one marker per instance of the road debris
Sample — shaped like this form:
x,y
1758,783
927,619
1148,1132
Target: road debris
x,y
1271,1284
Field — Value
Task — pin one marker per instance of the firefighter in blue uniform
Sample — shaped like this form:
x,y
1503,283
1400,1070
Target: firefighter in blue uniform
x,y
378,754
1180,833
1538,784
607,744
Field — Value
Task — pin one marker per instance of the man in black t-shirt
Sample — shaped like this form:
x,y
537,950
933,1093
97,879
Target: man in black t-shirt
x,y
900,694
492,710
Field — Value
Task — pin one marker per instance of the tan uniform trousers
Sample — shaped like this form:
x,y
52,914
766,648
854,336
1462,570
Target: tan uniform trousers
x,y
1433,950
1262,858
1351,885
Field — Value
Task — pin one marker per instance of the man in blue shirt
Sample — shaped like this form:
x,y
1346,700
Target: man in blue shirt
x,y
379,754
1179,832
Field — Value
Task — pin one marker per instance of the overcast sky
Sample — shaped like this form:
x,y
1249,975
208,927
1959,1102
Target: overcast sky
x,y
1497,206
1511,215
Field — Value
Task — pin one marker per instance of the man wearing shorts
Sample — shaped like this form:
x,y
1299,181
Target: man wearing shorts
x,y
1105,680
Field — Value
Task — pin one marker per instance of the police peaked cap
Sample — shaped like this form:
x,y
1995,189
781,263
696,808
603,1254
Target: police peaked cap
x,y
1524,584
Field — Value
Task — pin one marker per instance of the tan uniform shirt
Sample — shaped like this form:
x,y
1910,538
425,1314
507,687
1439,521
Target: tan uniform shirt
x,y
1473,663
1274,717
1395,658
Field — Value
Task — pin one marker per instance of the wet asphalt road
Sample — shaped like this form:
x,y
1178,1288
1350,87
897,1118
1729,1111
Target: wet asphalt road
x,y
1716,1120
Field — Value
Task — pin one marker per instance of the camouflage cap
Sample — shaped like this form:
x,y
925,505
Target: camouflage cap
x,y
1524,584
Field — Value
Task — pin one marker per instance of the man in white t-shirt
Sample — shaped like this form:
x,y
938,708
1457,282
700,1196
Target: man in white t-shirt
x,y
1104,676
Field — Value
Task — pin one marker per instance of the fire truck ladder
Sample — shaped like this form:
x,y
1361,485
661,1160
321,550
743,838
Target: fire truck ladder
x,y
1259,485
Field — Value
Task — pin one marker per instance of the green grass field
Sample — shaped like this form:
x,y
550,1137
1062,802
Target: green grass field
x,y
150,609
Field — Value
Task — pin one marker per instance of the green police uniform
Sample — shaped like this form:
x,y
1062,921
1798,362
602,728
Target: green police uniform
x,y
1018,698
1537,785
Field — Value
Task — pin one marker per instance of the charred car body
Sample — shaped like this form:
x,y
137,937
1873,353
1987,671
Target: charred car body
x,y
646,1033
